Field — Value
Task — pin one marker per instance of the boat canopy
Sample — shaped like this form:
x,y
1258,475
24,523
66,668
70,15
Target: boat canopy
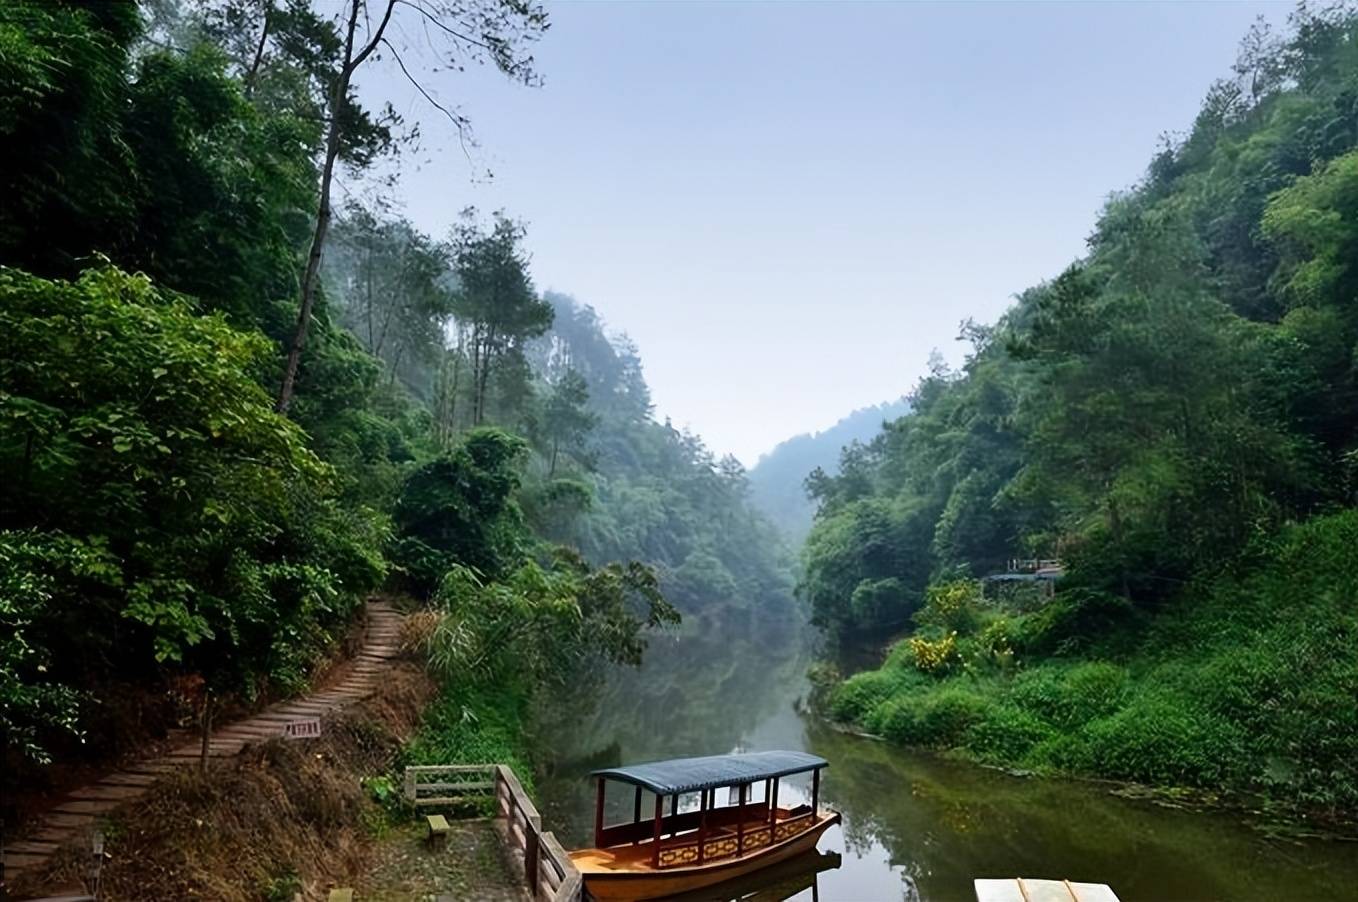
x,y
680,775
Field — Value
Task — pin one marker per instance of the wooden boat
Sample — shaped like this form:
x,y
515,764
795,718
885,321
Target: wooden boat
x,y
677,852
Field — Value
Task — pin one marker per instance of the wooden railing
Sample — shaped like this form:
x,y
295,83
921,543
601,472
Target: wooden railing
x,y
548,871
448,784
1033,564
727,843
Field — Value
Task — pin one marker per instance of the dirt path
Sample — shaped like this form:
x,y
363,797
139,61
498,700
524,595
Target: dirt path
x,y
78,811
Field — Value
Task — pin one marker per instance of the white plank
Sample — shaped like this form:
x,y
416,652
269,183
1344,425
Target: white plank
x,y
1027,889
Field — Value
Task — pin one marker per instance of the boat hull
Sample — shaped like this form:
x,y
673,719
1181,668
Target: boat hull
x,y
607,886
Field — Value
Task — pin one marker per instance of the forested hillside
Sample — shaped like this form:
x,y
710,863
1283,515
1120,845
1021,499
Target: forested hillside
x,y
229,412
1175,416
778,479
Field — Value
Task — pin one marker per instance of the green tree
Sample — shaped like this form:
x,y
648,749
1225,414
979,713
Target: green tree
x,y
460,509
496,30
158,495
62,95
567,420
495,301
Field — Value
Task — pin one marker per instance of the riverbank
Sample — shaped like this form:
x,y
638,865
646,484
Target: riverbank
x,y
1241,688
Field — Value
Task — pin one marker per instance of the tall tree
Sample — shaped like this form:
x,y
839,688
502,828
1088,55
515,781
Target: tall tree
x,y
459,31
567,419
495,299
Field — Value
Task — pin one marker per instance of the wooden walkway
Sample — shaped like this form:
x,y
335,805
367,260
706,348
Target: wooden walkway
x,y
77,812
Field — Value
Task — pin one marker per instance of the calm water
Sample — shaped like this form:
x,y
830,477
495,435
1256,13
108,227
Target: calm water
x,y
914,823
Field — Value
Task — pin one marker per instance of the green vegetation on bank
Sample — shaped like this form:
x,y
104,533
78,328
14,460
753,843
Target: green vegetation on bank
x,y
1217,692
1174,417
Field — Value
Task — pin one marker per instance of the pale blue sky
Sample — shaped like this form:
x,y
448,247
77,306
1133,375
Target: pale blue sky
x,y
788,205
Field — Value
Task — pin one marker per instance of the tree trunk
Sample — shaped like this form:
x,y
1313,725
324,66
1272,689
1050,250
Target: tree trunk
x,y
259,49
339,98
452,392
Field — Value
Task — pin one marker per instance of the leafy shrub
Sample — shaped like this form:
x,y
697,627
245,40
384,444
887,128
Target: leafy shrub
x,y
936,656
282,887
1006,734
1161,738
938,718
864,691
995,643
1073,621
953,606
1071,696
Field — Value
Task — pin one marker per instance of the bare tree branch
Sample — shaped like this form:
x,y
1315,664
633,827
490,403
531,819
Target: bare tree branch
x,y
455,33
462,124
376,36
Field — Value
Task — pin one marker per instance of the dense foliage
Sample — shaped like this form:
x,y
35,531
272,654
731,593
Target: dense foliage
x,y
180,520
1220,692
136,434
1155,417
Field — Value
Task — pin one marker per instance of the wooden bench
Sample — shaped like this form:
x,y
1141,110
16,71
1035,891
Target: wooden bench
x,y
438,827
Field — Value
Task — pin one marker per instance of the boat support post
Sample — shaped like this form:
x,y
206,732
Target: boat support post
x,y
655,849
740,824
599,816
702,826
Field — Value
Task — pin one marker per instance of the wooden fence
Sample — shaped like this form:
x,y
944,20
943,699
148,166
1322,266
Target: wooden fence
x,y
548,871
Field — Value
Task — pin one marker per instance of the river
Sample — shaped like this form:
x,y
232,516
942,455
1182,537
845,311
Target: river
x,y
916,825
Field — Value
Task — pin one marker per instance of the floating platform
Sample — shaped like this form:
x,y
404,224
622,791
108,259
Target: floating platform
x,y
1027,889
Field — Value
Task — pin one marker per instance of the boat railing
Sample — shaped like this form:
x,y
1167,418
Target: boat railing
x,y
726,840
548,871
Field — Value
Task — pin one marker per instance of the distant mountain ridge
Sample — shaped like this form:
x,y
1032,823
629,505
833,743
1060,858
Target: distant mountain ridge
x,y
776,480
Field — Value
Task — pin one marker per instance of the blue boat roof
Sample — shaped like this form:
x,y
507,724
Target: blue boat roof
x,y
693,774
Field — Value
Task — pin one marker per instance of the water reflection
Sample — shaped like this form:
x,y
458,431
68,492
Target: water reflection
x,y
798,878
916,826
944,824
